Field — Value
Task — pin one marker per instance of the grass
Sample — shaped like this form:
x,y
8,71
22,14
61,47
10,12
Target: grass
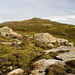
x,y
21,56
60,70
35,25
56,70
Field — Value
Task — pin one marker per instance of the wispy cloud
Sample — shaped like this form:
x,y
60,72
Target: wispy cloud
x,y
58,10
70,19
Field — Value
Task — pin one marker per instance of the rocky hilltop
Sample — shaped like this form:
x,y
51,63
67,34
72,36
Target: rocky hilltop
x,y
37,47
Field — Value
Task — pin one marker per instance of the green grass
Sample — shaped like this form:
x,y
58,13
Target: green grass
x,y
21,56
18,58
56,70
60,70
35,25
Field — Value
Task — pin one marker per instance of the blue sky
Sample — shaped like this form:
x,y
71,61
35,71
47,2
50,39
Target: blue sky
x,y
56,10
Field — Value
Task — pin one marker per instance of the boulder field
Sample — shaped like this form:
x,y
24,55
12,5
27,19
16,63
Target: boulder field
x,y
43,64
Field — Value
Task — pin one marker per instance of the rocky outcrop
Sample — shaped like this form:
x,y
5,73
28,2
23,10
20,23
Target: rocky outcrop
x,y
45,38
60,48
67,56
10,68
70,44
16,72
50,40
61,41
6,31
43,64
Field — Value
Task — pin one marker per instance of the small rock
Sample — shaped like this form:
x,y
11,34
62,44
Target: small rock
x,y
16,72
10,67
50,45
6,31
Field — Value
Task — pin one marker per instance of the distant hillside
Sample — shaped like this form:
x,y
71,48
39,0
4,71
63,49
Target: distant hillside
x,y
38,25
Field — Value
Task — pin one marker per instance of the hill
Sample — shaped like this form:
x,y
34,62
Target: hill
x,y
38,25
20,49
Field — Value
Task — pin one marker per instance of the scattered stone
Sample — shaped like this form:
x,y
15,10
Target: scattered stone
x,y
26,36
10,43
6,43
50,45
16,72
16,40
10,67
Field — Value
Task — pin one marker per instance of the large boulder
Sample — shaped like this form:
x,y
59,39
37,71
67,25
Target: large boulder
x,y
16,72
45,37
6,31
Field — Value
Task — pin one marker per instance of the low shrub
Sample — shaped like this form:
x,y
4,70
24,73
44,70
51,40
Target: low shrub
x,y
56,70
71,63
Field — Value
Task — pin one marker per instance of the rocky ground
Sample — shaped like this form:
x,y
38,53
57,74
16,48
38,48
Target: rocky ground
x,y
43,64
63,49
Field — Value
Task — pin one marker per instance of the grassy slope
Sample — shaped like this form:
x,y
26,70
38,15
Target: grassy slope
x,y
35,25
29,50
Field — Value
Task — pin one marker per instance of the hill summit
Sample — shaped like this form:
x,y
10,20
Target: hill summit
x,y
38,25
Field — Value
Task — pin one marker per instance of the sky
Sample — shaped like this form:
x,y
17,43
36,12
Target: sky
x,y
56,10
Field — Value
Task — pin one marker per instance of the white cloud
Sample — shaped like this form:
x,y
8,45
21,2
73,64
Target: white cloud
x,y
57,10
70,19
58,19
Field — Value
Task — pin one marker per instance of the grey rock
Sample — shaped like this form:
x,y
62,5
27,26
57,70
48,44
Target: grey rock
x,y
67,56
60,48
16,72
45,37
43,64
8,31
